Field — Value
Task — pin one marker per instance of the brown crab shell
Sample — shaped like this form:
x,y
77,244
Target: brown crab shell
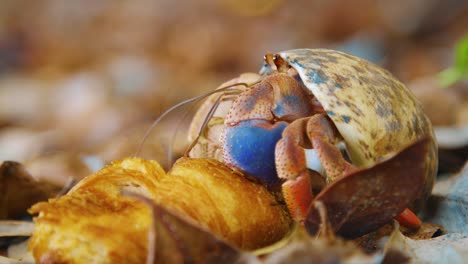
x,y
376,114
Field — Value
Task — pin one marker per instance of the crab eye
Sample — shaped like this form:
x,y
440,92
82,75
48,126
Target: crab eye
x,y
268,58
280,63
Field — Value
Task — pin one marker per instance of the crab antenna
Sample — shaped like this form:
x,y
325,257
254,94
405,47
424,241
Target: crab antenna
x,y
204,124
207,120
208,116
170,154
174,107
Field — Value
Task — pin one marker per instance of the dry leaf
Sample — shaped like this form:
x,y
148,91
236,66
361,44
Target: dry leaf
x,y
325,248
16,228
18,190
306,249
94,223
5,260
450,248
365,200
426,231
449,204
225,202
449,208
20,252
176,239
371,243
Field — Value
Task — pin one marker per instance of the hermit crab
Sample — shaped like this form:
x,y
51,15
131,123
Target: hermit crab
x,y
324,126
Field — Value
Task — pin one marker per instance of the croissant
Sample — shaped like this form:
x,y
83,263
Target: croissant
x,y
94,223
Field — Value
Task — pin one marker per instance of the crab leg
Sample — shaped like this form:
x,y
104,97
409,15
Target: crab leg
x,y
295,163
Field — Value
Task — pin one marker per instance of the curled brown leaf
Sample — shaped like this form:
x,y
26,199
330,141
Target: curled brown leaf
x,y
19,190
364,200
107,225
174,238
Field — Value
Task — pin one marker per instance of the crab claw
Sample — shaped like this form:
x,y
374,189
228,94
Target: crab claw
x,y
364,200
255,122
250,147
307,159
298,193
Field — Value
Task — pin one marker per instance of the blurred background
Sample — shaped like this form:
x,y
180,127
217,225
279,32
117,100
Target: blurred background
x,y
84,79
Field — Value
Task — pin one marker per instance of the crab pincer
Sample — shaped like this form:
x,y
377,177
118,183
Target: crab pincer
x,y
307,158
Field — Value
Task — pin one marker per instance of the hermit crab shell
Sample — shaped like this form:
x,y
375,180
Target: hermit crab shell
x,y
376,114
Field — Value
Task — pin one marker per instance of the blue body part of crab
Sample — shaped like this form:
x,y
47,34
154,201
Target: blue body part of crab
x,y
250,147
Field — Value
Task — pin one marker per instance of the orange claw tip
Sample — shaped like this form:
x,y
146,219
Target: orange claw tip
x,y
298,196
408,219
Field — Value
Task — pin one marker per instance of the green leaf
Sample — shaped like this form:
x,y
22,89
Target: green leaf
x,y
461,55
459,70
449,77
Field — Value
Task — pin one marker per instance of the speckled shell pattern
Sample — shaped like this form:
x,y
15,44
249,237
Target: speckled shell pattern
x,y
374,112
